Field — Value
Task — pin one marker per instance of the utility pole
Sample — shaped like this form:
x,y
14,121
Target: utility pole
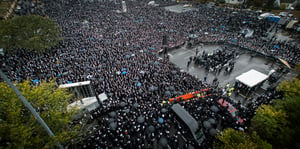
x,y
31,109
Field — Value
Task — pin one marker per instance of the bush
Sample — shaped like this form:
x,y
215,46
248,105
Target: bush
x,y
282,6
221,1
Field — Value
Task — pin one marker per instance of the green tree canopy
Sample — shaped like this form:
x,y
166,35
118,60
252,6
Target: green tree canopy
x,y
230,138
31,32
297,69
291,105
291,102
19,129
257,3
263,3
271,125
290,88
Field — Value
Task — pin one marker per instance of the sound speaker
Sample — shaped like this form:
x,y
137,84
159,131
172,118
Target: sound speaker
x,y
165,41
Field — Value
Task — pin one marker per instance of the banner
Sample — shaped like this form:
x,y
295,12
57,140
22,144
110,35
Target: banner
x,y
199,94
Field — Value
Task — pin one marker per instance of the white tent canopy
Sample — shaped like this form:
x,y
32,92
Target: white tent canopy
x,y
102,97
151,3
74,84
89,103
265,15
251,78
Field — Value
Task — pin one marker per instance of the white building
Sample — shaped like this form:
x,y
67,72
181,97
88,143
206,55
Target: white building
x,y
234,1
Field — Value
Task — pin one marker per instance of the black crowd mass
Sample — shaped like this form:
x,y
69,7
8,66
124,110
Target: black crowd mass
x,y
220,58
118,53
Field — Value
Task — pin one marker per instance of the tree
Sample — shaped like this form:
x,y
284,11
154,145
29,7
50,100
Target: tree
x,y
271,125
231,138
221,1
297,69
270,4
31,32
296,4
261,144
290,88
19,129
291,105
291,102
257,3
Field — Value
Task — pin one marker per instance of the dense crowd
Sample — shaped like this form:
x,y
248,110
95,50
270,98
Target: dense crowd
x,y
219,59
118,53
226,25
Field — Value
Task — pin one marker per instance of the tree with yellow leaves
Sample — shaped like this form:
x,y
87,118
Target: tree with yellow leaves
x,y
230,138
271,125
290,88
291,105
19,129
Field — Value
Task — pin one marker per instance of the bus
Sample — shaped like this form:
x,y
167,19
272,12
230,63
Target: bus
x,y
190,122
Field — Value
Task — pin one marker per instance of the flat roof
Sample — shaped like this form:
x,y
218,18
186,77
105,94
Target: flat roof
x,y
89,103
102,97
186,117
251,78
74,84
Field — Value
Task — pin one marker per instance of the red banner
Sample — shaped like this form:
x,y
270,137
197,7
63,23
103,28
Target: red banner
x,y
200,94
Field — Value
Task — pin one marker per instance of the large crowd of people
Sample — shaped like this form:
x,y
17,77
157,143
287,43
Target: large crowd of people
x,y
118,53
216,61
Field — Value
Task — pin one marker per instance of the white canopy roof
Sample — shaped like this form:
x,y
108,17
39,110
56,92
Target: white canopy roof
x,y
151,3
189,120
89,103
102,97
74,84
251,78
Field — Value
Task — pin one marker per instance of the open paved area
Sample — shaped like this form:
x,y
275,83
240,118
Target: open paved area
x,y
244,63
